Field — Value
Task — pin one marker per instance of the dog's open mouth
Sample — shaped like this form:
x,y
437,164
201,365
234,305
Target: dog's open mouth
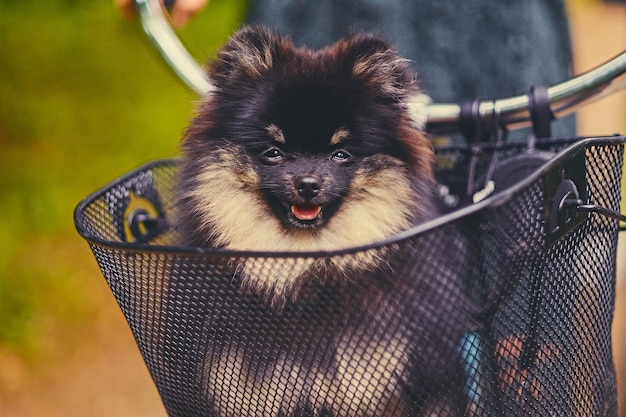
x,y
306,212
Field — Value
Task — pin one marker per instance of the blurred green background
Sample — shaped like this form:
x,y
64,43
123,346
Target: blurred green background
x,y
84,99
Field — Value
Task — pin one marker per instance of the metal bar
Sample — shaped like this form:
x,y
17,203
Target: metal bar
x,y
591,208
514,112
158,29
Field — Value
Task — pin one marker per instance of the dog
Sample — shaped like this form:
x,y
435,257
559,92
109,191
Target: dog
x,y
309,151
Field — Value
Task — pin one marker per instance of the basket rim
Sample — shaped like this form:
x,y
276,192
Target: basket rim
x,y
493,201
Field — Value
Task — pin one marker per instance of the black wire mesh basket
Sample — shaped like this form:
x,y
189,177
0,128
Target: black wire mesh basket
x,y
500,307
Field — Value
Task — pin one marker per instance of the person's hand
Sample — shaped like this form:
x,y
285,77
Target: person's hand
x,y
180,14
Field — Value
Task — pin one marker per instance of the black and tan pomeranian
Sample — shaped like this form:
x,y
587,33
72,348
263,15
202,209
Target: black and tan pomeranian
x,y
305,151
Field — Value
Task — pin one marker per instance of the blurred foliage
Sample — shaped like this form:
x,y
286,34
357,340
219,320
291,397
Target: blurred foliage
x,y
83,99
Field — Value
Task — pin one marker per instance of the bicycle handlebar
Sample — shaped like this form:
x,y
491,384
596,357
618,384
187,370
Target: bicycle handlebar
x,y
513,112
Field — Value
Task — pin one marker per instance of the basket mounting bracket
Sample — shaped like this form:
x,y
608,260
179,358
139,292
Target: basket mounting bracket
x,y
566,182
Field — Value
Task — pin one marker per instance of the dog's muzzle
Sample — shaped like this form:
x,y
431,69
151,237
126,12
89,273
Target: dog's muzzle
x,y
308,187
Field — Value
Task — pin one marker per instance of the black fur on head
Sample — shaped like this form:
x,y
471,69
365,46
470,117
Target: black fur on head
x,y
360,83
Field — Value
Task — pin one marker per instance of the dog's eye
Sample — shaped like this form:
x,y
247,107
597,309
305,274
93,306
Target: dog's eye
x,y
341,156
272,155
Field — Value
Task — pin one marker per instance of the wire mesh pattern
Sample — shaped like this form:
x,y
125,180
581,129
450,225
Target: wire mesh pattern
x,y
482,312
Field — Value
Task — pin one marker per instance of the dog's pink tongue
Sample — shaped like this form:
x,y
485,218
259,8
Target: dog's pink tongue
x,y
306,212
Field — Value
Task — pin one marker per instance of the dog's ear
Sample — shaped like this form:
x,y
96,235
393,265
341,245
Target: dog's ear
x,y
380,66
248,54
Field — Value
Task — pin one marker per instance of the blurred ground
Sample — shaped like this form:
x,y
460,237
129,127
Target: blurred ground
x,y
73,355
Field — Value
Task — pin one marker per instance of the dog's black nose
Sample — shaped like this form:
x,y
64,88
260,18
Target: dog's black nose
x,y
308,186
